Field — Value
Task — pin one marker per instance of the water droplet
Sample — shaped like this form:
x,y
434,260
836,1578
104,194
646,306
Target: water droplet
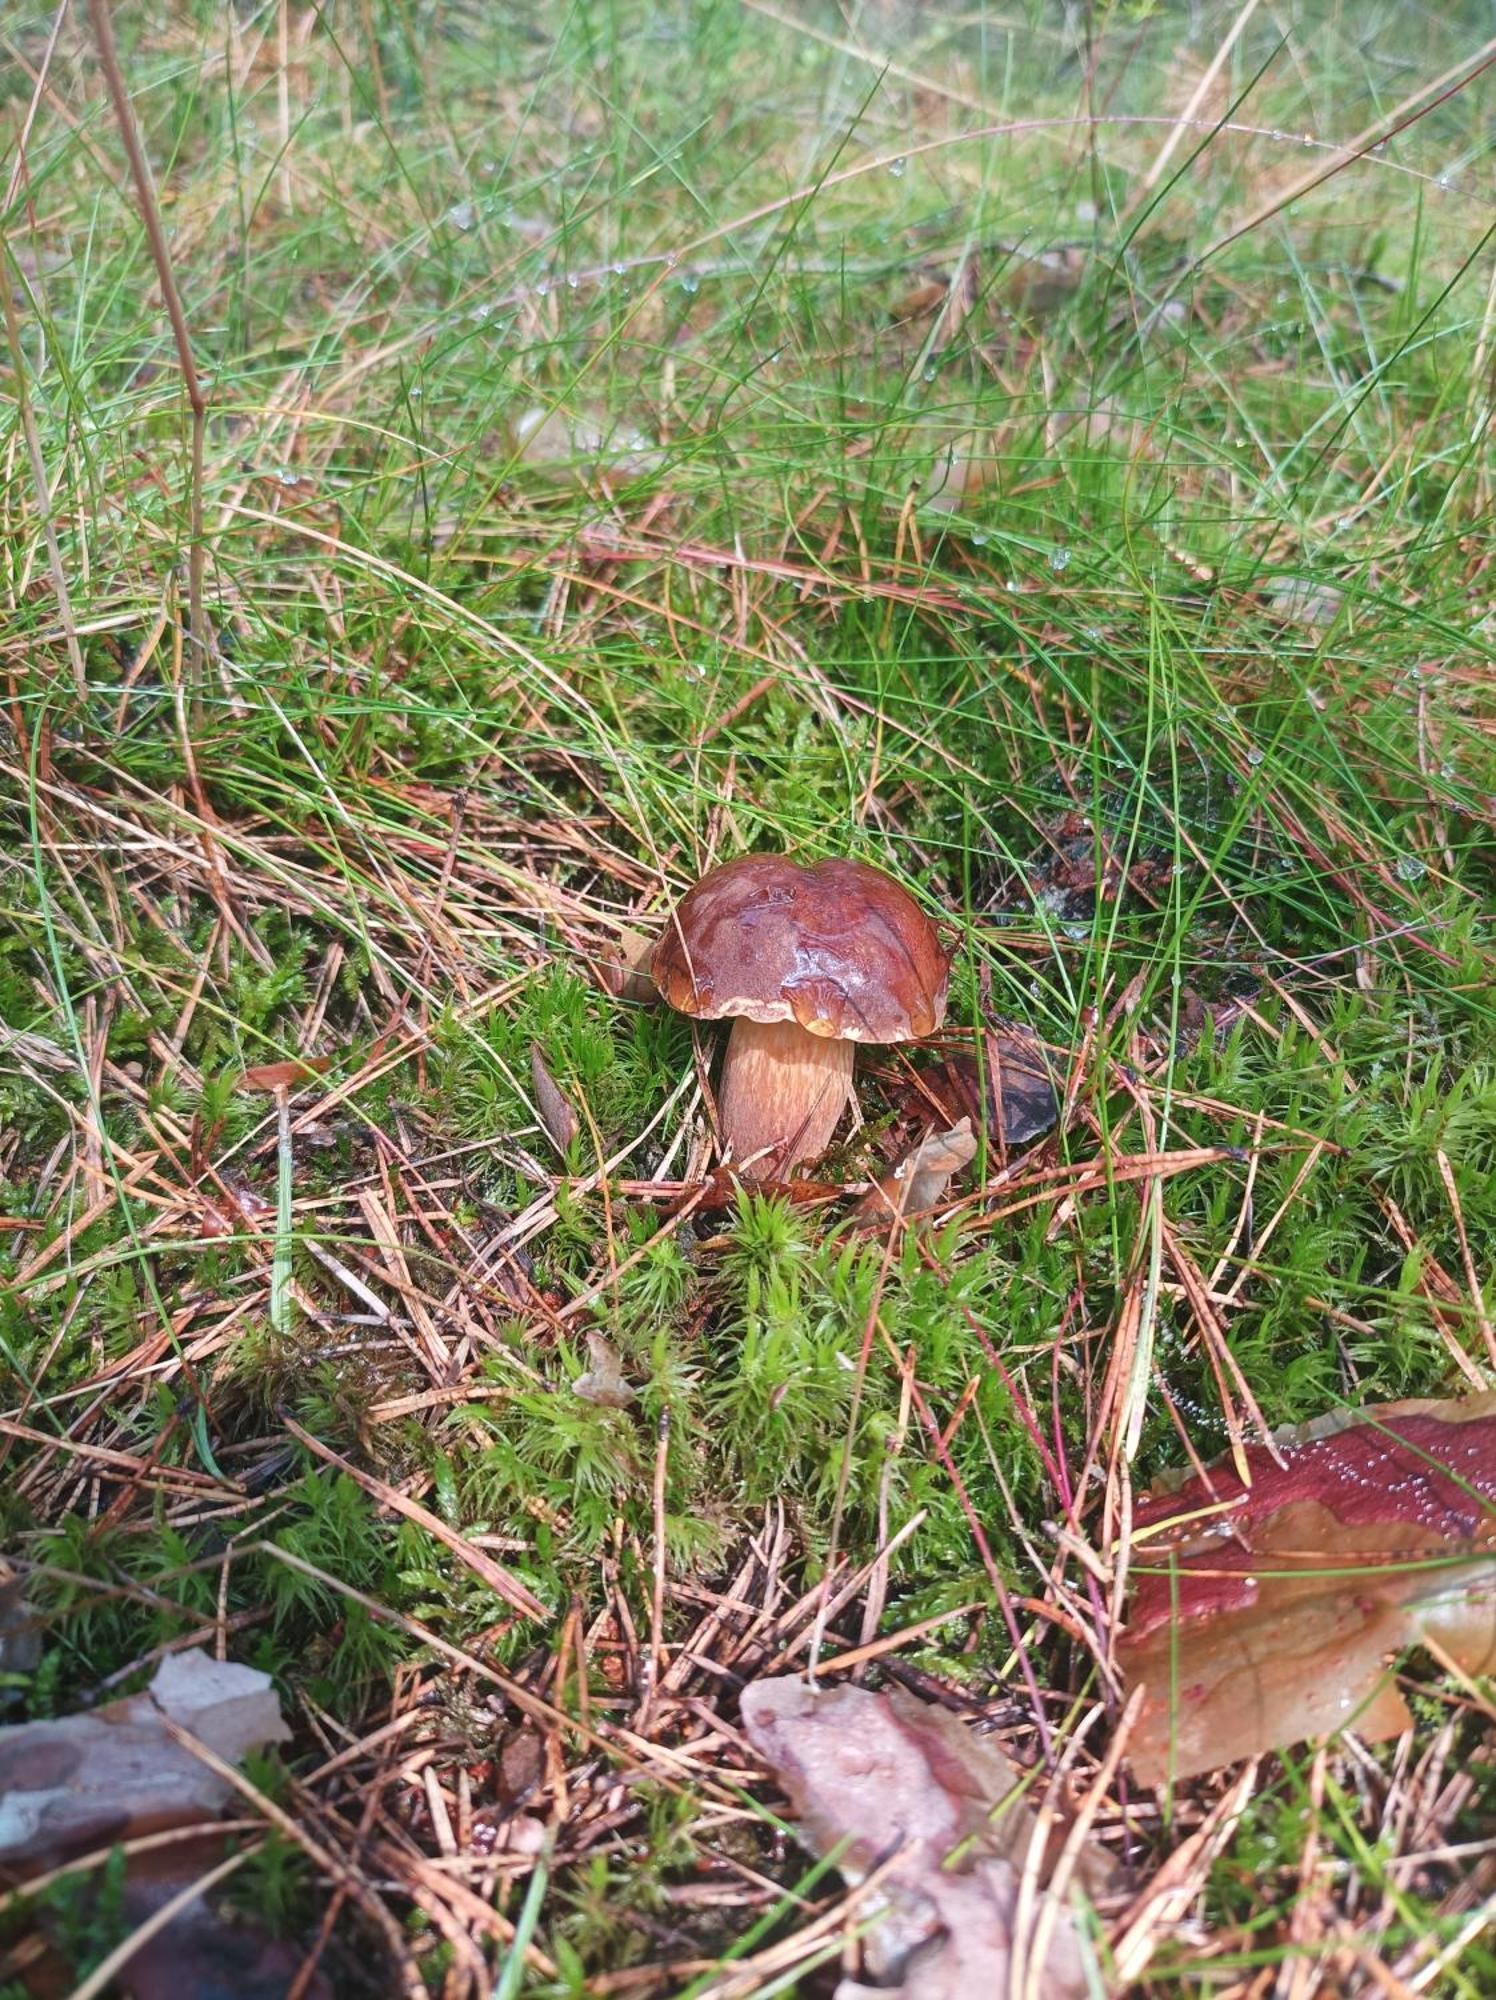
x,y
1308,138
1446,181
288,478
1077,931
618,270
1059,559
1255,756
1410,868
572,281
543,287
1448,771
978,539
1010,584
462,215
690,286
929,374
896,168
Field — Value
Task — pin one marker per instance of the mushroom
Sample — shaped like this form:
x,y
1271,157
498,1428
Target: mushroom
x,y
807,961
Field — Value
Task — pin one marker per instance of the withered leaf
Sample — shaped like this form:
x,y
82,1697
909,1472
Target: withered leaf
x,y
918,1183
1012,1093
603,1383
281,1075
205,1952
874,1776
87,1780
623,967
1268,1613
561,1123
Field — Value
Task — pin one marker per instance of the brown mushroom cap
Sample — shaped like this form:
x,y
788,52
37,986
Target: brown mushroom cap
x,y
836,946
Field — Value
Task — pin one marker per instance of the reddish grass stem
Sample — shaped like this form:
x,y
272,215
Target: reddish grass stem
x,y
150,213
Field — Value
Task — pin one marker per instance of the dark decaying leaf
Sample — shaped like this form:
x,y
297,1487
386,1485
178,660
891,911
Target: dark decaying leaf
x,y
561,1123
1012,1094
894,1784
1265,1614
206,1952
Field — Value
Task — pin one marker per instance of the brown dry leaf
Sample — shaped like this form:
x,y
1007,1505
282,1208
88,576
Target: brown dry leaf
x,y
918,1183
623,967
875,1776
603,1383
561,1123
282,1075
87,1780
1268,1613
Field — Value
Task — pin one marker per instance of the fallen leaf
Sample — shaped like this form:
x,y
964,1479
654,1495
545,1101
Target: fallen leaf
x,y
918,1183
88,1780
1298,601
281,1075
1013,1094
1268,1613
206,1952
623,967
561,442
603,1383
891,1783
561,1123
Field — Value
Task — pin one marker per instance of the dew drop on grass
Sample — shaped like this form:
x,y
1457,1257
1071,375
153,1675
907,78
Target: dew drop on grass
x,y
1254,755
896,168
978,539
1059,559
690,286
462,215
1410,868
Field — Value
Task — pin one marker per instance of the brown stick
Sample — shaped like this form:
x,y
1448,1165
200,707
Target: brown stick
x,y
150,213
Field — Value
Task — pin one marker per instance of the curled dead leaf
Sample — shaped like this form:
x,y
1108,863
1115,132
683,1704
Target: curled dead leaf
x,y
1263,1614
893,1784
561,1123
281,1075
603,1383
918,1183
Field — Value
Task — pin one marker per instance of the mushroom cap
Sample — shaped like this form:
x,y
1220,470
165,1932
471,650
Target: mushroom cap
x,y
836,946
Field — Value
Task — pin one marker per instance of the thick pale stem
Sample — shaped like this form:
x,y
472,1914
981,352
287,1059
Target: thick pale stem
x,y
782,1095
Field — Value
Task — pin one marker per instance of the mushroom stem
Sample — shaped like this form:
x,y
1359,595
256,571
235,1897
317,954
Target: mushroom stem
x,y
782,1095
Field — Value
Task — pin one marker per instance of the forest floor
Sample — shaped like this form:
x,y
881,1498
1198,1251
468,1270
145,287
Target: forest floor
x,y
1047,455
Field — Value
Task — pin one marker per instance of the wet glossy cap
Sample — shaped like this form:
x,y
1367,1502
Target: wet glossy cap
x,y
836,946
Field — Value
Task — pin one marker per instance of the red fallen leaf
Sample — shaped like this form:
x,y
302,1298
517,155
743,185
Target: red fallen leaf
x,y
1265,1614
282,1075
